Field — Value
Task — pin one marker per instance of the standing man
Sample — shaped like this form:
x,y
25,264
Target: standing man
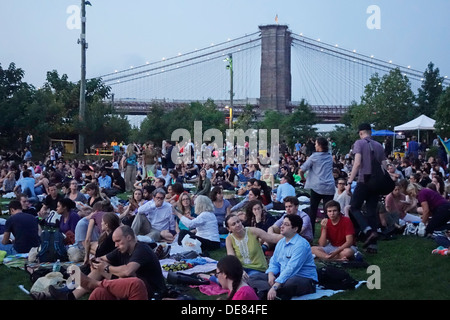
x,y
150,159
292,271
362,169
413,149
28,155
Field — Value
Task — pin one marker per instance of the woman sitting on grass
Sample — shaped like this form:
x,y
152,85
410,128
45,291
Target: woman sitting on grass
x,y
230,273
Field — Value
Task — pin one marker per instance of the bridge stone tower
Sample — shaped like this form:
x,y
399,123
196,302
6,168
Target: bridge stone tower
x,y
275,82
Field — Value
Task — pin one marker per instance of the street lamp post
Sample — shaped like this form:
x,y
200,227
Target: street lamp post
x,y
230,67
83,43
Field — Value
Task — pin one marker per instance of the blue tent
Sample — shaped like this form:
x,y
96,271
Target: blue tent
x,y
382,133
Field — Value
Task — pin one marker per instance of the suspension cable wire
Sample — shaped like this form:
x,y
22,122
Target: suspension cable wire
x,y
210,75
157,71
171,64
378,64
183,55
304,84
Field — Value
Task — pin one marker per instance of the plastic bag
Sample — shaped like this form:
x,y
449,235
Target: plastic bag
x,y
189,243
42,284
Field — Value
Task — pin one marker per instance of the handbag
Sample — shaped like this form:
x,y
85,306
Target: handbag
x,y
380,180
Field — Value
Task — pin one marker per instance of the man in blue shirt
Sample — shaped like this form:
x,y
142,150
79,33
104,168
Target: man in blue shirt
x,y
26,186
28,155
292,271
104,181
413,148
298,146
285,189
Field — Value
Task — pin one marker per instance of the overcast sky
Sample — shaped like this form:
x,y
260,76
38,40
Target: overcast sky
x,y
38,35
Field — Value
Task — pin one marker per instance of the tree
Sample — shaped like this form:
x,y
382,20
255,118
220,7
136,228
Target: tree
x,y
387,101
15,96
442,114
299,124
430,91
247,119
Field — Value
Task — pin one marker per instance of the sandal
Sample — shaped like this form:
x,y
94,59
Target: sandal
x,y
371,250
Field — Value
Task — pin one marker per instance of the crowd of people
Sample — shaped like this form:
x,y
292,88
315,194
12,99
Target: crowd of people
x,y
269,236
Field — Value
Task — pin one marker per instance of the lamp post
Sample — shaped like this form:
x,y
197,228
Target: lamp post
x,y
230,67
83,43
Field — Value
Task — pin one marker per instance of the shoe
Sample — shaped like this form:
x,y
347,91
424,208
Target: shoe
x,y
372,249
40,296
162,252
371,239
60,294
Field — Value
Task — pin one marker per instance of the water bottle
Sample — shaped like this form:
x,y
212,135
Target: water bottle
x,y
57,266
421,230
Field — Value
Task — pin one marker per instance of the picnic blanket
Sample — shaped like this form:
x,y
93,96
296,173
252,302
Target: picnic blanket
x,y
209,265
321,292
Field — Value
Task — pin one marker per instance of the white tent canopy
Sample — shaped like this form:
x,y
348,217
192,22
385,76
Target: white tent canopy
x,y
420,123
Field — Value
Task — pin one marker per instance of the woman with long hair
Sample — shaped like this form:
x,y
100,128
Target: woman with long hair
x,y
104,227
245,244
93,191
187,209
229,272
230,179
205,224
69,217
222,207
129,212
129,166
203,184
257,216
320,180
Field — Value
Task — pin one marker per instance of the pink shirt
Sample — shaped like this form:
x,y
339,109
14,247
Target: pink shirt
x,y
245,293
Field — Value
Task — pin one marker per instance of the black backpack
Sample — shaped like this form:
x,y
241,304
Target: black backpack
x,y
52,246
334,278
380,180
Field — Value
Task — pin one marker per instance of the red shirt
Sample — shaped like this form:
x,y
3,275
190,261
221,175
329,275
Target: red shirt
x,y
336,234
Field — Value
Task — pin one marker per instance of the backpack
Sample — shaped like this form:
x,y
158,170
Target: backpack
x,y
52,246
380,180
334,278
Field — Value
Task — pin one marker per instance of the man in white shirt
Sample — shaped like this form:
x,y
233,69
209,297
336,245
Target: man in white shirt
x,y
155,219
165,175
342,195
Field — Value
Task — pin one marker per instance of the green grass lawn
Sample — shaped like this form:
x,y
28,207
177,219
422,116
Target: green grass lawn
x,y
408,271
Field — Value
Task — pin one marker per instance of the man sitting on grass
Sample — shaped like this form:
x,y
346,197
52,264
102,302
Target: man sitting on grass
x,y
337,240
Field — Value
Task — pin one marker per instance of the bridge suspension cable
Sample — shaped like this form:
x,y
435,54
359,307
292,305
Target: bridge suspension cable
x,y
337,75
